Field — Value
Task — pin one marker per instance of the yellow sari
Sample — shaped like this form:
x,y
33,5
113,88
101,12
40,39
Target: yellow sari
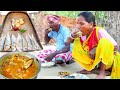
x,y
104,54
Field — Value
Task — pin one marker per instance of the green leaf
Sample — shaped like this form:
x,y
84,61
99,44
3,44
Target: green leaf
x,y
22,31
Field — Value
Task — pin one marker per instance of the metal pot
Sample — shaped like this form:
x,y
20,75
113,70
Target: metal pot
x,y
37,62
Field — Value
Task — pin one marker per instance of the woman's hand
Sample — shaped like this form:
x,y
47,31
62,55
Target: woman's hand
x,y
76,34
50,57
115,50
46,38
92,53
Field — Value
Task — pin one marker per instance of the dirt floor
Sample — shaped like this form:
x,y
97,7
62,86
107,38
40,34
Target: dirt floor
x,y
52,73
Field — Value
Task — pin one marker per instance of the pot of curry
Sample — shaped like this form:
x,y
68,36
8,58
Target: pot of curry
x,y
19,65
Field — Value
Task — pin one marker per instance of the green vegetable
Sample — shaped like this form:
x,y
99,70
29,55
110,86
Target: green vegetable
x,y
22,31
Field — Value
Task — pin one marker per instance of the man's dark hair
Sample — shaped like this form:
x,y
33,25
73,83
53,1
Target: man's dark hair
x,y
89,17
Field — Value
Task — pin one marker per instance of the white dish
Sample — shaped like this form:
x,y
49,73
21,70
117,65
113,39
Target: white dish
x,y
80,76
47,64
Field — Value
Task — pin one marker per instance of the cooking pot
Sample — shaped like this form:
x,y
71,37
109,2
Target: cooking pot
x,y
36,61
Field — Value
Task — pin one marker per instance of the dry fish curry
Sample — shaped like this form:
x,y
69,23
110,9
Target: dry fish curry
x,y
19,67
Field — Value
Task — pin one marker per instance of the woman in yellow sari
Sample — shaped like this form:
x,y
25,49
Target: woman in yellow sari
x,y
95,48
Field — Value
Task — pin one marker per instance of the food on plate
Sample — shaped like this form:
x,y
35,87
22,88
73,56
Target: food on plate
x,y
2,40
10,42
35,42
29,42
15,29
24,44
21,21
32,42
63,73
28,63
19,43
13,39
17,24
7,44
22,31
79,34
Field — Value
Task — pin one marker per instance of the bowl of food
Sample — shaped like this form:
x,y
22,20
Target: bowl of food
x,y
19,65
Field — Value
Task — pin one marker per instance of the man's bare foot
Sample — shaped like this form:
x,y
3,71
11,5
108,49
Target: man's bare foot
x,y
63,64
60,62
70,61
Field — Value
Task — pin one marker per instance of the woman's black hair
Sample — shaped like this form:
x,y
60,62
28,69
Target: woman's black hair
x,y
89,17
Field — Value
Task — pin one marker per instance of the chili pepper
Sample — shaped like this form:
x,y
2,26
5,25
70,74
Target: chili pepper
x,y
22,31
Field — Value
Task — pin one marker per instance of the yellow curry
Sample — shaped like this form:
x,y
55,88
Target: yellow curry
x,y
19,67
